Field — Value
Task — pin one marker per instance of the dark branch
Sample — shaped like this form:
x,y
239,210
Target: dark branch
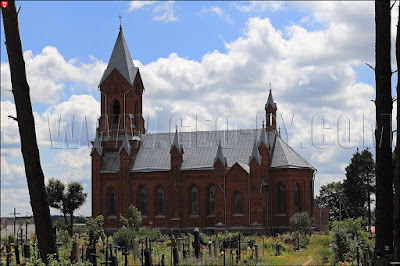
x,y
393,4
19,9
395,71
370,66
13,117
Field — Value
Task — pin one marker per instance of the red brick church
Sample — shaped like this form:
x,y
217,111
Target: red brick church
x,y
246,179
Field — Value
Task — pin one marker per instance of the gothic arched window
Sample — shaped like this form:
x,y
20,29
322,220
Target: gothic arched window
x,y
160,201
211,199
116,111
142,201
238,203
281,198
111,201
137,115
297,198
194,196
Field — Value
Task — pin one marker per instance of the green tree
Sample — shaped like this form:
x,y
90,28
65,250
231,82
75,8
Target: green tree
x,y
330,195
95,226
134,220
66,199
301,222
359,184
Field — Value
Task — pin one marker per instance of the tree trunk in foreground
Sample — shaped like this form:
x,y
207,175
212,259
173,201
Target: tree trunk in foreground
x,y
26,125
396,177
383,131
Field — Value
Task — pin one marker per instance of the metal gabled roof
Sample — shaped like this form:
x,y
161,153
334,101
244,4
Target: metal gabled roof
x,y
285,157
110,163
121,60
201,148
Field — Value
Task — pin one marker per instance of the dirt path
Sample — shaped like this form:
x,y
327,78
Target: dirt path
x,y
307,262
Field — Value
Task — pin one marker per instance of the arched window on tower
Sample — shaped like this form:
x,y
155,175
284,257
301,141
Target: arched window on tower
x,y
281,198
238,204
143,201
111,201
160,201
211,199
194,196
297,198
116,112
270,119
136,115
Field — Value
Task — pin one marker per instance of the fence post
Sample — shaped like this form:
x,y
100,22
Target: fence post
x,y
215,251
256,252
196,242
179,244
135,248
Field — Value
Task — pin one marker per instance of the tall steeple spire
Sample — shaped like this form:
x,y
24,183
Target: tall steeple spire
x,y
270,112
120,60
270,101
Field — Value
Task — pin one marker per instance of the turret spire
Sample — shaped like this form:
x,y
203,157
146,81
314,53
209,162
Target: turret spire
x,y
125,145
255,154
219,155
176,141
97,146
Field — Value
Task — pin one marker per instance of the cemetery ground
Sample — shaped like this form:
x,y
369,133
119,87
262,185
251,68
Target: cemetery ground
x,y
139,246
161,251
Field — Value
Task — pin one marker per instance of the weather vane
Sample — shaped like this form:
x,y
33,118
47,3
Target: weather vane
x,y
120,27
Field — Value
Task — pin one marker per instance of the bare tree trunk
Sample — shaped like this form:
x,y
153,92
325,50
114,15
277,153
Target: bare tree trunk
x,y
71,226
383,132
29,148
396,178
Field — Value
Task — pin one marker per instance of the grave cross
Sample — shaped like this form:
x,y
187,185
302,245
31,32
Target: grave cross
x,y
15,217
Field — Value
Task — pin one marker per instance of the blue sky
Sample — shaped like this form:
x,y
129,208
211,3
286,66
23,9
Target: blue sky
x,y
196,58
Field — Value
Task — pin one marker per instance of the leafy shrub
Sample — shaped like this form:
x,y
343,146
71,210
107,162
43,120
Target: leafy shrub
x,y
95,226
347,236
125,237
304,241
152,234
301,221
326,254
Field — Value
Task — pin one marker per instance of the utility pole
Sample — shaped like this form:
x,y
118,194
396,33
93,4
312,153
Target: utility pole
x,y
15,217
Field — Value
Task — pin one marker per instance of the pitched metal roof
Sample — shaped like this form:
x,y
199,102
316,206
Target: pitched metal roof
x,y
200,149
285,157
270,101
110,163
121,60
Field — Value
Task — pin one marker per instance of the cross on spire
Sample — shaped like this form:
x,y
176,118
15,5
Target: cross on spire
x,y
120,18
